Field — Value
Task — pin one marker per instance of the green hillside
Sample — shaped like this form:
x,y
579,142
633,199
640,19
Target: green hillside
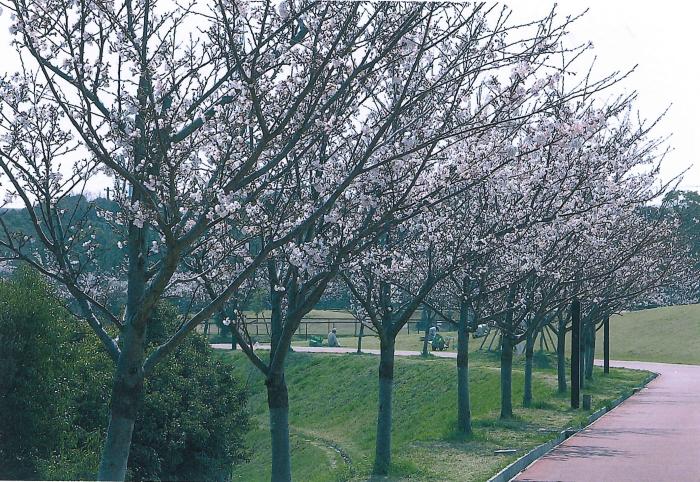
x,y
333,404
669,334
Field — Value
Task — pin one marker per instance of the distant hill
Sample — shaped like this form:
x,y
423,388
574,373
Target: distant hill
x,y
669,334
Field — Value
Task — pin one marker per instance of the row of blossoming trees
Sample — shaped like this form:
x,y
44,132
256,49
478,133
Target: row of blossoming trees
x,y
417,153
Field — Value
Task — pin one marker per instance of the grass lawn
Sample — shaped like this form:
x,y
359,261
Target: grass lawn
x,y
333,404
404,341
669,334
665,334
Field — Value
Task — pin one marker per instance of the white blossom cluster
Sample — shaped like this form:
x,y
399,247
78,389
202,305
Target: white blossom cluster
x,y
395,146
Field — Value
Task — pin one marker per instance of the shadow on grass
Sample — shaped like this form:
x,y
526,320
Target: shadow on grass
x,y
462,438
401,469
515,423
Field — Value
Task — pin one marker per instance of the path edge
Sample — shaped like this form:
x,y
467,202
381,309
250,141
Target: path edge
x,y
516,467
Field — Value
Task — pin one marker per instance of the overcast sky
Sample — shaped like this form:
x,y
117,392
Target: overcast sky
x,y
662,38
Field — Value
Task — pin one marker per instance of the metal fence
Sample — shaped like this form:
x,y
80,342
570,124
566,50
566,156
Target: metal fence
x,y
310,326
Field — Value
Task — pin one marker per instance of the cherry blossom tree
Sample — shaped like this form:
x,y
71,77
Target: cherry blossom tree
x,y
394,282
638,256
253,129
389,284
440,83
394,145
392,140
599,167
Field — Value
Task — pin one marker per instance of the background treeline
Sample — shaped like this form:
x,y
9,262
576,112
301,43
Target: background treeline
x,y
109,258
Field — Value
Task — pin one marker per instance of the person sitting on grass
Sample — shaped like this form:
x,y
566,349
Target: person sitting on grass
x,y
333,338
439,343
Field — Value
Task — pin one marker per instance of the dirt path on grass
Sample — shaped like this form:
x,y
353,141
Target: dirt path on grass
x,y
652,436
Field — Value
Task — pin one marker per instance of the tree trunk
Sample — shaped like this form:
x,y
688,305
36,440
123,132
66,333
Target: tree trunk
x,y
127,388
424,352
529,354
382,458
583,357
359,338
506,377
427,332
590,353
575,353
561,360
278,403
127,391
464,413
542,341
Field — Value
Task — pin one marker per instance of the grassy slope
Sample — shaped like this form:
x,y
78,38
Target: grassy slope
x,y
669,334
333,403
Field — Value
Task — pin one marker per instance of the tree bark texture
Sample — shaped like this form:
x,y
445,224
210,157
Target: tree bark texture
x,y
506,377
590,351
127,391
561,350
464,413
127,388
382,457
529,355
359,338
278,403
606,345
424,351
575,353
426,318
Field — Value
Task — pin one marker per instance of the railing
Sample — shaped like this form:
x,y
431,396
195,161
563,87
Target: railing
x,y
311,326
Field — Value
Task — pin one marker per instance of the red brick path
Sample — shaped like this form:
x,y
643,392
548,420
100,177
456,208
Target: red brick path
x,y
652,436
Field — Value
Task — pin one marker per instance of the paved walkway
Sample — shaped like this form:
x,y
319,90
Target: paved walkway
x,y
322,349
652,436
